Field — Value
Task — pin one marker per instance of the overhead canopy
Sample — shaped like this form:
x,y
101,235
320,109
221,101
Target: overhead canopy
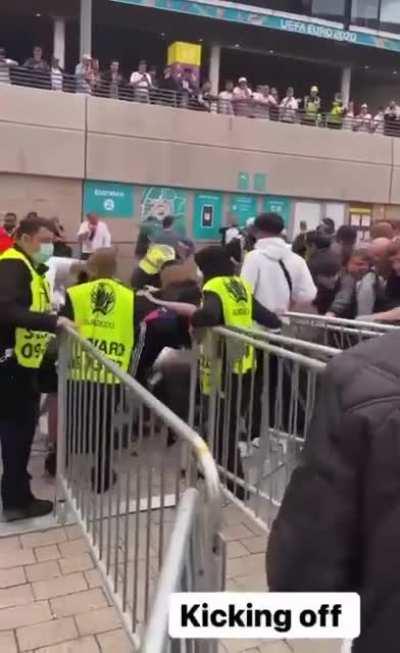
x,y
260,17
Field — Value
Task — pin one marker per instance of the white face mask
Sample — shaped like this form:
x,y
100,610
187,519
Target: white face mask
x,y
45,252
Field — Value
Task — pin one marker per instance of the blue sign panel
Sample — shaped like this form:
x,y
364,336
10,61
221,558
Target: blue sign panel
x,y
108,199
243,207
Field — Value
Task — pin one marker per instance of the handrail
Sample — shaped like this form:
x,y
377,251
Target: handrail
x,y
336,321
195,100
171,420
271,349
285,340
156,632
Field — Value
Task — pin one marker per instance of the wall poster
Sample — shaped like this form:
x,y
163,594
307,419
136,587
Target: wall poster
x,y
158,201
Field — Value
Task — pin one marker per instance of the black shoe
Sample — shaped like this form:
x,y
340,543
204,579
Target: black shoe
x,y
36,508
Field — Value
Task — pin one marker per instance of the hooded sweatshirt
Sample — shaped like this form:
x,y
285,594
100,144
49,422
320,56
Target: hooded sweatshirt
x,y
279,277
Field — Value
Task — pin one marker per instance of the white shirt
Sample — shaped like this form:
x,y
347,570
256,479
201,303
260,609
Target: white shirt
x,y
101,238
57,276
225,102
231,233
5,65
56,79
139,82
261,269
288,109
242,93
363,122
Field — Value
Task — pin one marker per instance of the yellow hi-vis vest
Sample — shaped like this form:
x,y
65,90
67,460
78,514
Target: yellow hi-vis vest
x,y
30,346
237,305
103,312
155,258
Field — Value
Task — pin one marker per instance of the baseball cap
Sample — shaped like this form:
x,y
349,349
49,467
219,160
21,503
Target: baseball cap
x,y
242,80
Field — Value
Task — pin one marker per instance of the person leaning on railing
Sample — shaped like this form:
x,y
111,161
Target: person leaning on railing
x,y
25,324
228,300
392,119
363,122
346,303
225,99
242,98
188,88
312,108
260,102
141,83
168,87
5,65
112,82
334,119
205,98
83,75
390,307
37,69
273,103
289,107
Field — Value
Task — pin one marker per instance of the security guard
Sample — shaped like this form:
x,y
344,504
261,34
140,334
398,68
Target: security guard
x,y
148,271
229,301
103,310
25,325
312,107
105,313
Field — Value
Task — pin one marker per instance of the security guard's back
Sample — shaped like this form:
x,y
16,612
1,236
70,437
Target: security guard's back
x,y
103,310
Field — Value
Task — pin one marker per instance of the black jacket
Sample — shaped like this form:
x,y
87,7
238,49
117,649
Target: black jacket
x,y
339,525
392,292
18,383
15,302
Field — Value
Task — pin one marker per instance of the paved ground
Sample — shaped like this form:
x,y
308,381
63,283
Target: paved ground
x,y
52,599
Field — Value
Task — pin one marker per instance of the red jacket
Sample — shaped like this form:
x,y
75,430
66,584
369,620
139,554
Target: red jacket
x,y
5,240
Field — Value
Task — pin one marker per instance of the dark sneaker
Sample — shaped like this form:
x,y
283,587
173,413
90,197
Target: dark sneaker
x,y
36,508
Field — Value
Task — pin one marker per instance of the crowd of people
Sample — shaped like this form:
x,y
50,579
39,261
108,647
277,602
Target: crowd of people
x,y
182,89
174,289
323,271
340,512
353,281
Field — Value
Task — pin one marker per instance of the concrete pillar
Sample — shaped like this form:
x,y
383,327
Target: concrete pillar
x,y
59,40
85,31
213,73
346,85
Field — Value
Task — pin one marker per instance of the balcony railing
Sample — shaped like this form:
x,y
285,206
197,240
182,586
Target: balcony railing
x,y
196,101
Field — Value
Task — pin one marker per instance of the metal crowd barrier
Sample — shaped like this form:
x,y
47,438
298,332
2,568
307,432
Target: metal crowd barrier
x,y
177,576
296,345
119,473
99,86
333,332
255,421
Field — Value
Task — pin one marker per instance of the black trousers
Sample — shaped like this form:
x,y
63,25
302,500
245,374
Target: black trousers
x,y
16,434
277,421
228,453
92,407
